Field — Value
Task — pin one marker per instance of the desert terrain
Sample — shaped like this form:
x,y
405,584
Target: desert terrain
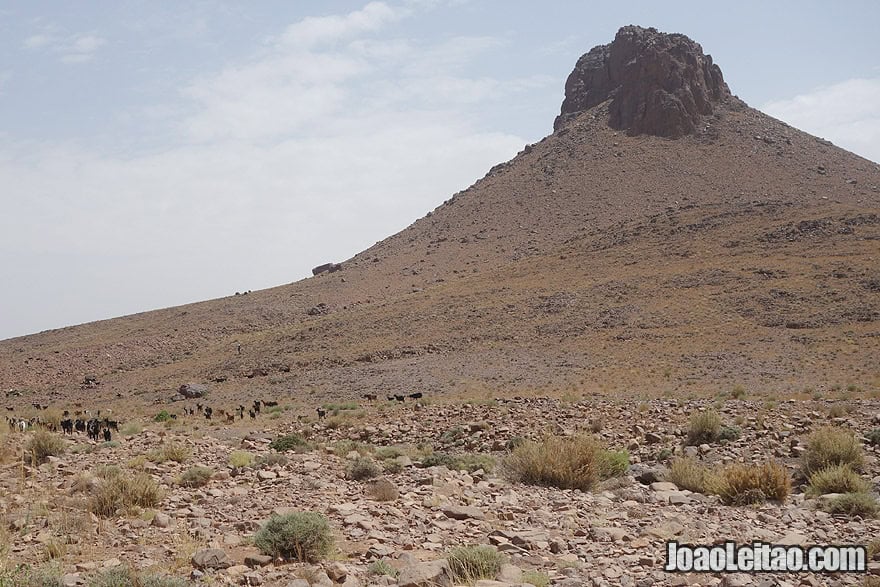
x,y
660,322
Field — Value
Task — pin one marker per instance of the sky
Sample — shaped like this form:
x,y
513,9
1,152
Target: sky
x,y
160,153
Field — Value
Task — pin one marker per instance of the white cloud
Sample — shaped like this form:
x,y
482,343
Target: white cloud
x,y
846,113
302,154
316,30
77,48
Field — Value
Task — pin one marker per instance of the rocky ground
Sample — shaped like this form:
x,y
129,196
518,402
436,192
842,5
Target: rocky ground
x,y
614,535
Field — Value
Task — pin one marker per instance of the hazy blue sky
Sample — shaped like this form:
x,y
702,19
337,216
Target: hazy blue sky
x,y
158,153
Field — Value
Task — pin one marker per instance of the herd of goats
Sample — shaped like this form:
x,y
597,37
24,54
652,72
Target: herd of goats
x,y
98,427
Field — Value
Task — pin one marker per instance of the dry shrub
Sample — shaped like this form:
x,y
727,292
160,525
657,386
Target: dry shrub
x,y
241,458
124,492
195,477
704,428
579,462
43,445
469,564
690,474
383,490
837,479
362,469
741,484
831,446
863,505
170,451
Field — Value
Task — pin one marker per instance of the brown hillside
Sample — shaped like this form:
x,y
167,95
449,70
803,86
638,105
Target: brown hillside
x,y
604,257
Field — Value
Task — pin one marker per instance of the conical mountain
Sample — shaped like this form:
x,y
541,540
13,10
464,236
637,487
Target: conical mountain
x,y
665,236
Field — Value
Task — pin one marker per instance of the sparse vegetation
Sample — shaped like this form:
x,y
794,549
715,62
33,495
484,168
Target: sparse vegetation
x,y
469,564
831,446
738,392
362,469
382,567
536,578
43,445
122,492
837,479
742,484
704,428
169,451
125,577
383,490
162,416
240,459
690,474
469,462
195,477
567,463
873,437
290,442
48,575
273,459
863,505
300,536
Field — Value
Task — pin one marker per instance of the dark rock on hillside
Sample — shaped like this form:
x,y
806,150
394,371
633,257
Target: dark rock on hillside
x,y
658,83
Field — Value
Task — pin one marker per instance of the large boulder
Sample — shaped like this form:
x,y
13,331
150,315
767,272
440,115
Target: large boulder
x,y
431,574
193,390
327,267
657,83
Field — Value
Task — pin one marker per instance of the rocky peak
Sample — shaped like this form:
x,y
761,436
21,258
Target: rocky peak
x,y
658,83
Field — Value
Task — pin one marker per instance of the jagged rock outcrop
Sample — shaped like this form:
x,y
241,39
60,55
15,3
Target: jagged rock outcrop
x,y
658,83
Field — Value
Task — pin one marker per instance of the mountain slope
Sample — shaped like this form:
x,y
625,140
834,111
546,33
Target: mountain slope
x,y
604,257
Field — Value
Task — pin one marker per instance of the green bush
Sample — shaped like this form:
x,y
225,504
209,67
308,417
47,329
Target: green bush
x,y
382,567
852,504
362,469
613,463
837,479
873,437
831,446
469,564
300,536
162,416
728,434
290,442
195,477
536,578
704,428
43,445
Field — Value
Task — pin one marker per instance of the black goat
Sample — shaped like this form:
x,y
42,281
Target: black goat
x,y
321,413
417,395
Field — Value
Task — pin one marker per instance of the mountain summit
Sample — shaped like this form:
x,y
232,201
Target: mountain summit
x,y
658,83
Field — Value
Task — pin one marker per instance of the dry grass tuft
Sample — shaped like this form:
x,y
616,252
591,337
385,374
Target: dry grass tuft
x,y
469,564
170,451
690,474
43,445
121,493
831,446
837,479
579,462
704,428
741,484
